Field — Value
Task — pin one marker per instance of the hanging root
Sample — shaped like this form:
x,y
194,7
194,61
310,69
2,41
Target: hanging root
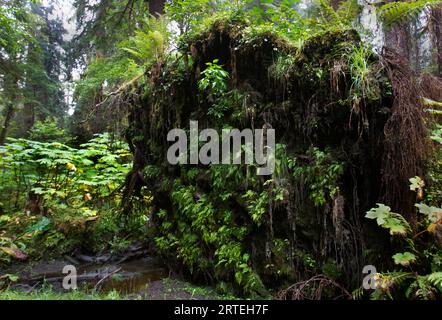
x,y
315,288
405,144
431,87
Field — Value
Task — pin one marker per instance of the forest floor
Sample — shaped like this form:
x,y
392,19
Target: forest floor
x,y
103,278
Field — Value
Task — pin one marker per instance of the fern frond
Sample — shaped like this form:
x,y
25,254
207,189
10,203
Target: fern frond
x,y
398,278
358,293
401,11
435,279
423,287
150,43
349,10
327,12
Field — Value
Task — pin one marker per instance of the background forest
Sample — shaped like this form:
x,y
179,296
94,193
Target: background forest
x,y
89,90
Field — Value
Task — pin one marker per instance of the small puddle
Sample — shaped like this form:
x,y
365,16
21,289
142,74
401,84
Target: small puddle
x,y
128,277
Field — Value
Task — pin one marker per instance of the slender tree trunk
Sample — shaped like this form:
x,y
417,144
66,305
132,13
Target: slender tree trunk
x,y
9,114
436,17
397,38
156,7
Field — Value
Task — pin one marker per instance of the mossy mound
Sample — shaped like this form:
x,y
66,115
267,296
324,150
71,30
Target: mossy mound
x,y
225,224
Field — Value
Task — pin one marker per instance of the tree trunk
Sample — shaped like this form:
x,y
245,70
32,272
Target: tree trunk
x,y
397,38
156,7
436,17
9,114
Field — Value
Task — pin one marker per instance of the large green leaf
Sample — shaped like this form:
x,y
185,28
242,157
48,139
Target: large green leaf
x,y
404,259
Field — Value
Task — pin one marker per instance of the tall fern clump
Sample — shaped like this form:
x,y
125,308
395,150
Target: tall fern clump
x,y
150,43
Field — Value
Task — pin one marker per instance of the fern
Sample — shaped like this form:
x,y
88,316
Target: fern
x,y
435,279
397,279
328,13
343,16
424,287
398,12
150,43
349,10
420,288
387,281
358,293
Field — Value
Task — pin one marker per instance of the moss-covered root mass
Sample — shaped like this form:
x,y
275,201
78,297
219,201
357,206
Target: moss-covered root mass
x,y
328,102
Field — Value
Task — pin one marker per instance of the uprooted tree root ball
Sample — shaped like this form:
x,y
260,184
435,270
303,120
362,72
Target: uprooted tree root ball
x,y
346,136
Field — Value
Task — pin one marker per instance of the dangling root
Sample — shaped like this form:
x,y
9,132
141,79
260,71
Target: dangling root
x,y
405,144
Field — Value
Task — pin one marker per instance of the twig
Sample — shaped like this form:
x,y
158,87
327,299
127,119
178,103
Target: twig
x,y
106,277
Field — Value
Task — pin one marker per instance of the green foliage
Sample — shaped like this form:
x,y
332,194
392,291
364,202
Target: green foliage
x,y
323,16
49,131
320,175
149,44
434,172
396,12
71,187
257,204
404,259
206,239
7,279
14,31
30,66
104,24
281,17
214,82
362,72
55,197
105,73
436,134
47,293
348,11
436,279
214,78
281,67
425,255
389,220
108,79
206,235
119,245
188,13
52,169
